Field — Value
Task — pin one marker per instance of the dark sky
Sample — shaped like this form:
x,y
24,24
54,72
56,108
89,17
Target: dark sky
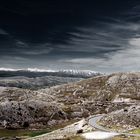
x,y
101,35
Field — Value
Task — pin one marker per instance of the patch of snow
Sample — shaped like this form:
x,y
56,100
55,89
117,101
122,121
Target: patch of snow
x,y
39,70
99,135
120,100
80,124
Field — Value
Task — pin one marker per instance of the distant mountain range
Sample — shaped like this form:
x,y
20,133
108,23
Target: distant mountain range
x,y
8,72
39,78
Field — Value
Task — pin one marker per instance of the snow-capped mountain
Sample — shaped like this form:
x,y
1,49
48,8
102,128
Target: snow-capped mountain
x,y
35,72
85,73
38,78
28,69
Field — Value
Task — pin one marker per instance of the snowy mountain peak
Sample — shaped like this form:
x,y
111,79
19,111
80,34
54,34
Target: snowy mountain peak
x,y
43,72
9,69
80,72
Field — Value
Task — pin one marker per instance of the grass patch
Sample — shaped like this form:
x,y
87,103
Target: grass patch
x,y
31,133
135,131
37,133
21,132
75,138
125,138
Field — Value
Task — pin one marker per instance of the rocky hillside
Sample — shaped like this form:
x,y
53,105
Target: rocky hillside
x,y
125,119
50,106
20,108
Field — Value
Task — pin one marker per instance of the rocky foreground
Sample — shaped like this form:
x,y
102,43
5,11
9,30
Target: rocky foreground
x,y
117,95
124,119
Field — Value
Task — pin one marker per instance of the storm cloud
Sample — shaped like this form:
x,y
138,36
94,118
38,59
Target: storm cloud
x,y
95,35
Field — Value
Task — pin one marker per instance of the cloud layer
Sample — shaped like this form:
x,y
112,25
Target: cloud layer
x,y
96,36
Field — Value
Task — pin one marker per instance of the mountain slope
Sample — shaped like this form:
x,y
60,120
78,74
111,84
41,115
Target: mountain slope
x,y
73,101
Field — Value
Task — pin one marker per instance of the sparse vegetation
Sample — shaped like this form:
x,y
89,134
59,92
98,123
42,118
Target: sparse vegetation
x,y
135,131
58,105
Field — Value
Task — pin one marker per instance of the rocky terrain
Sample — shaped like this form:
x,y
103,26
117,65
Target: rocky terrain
x,y
116,95
124,119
